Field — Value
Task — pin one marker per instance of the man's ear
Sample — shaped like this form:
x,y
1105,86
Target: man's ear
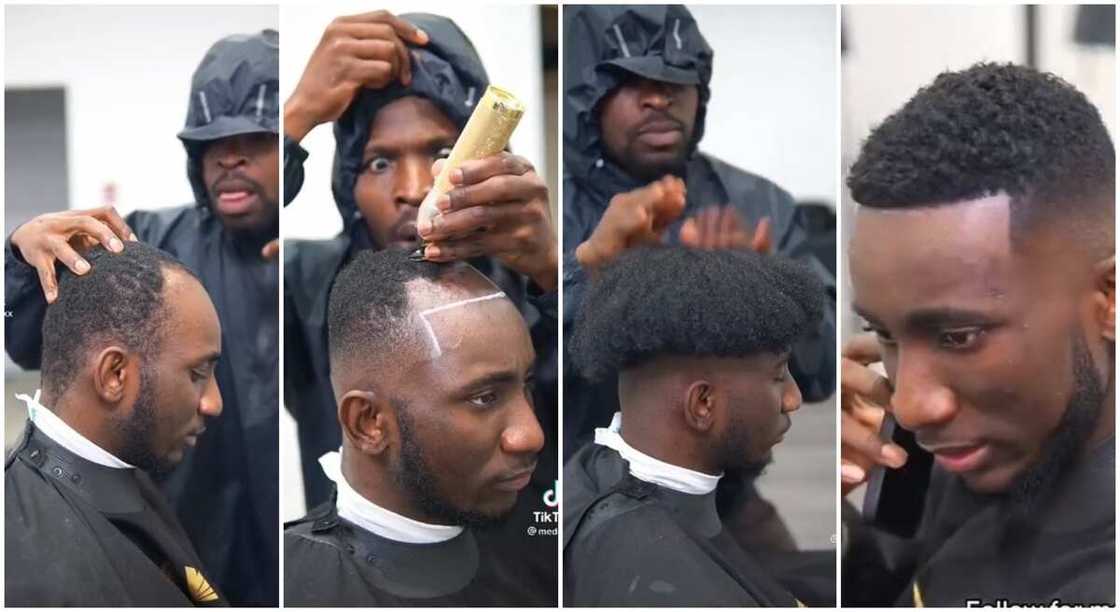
x,y
700,405
368,421
112,374
1104,308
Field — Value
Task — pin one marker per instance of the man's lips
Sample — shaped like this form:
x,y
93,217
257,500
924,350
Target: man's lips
x,y
960,458
235,197
661,133
192,438
659,126
516,481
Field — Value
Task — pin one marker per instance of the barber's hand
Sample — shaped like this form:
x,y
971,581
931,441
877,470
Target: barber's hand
x,y
271,249
721,227
632,219
367,50
864,397
63,236
498,207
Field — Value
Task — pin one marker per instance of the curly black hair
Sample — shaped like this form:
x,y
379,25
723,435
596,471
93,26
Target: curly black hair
x,y
988,129
119,300
660,301
368,306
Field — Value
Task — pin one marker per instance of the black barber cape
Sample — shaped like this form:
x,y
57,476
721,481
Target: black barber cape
x,y
633,543
329,561
971,547
81,534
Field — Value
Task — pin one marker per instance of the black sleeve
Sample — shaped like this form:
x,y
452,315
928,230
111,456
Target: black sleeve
x,y
813,364
295,352
24,310
294,156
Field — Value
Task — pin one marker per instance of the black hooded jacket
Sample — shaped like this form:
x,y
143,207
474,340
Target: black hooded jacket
x,y
225,491
602,45
448,72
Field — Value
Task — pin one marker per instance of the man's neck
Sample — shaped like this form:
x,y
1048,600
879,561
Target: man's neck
x,y
85,417
379,488
648,436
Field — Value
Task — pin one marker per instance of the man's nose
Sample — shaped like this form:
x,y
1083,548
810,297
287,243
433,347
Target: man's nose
x,y
211,403
523,434
921,398
413,181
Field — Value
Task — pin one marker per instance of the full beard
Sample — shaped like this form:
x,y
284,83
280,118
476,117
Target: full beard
x,y
138,431
417,478
1065,445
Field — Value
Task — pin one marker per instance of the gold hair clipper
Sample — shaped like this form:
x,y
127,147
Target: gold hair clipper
x,y
487,132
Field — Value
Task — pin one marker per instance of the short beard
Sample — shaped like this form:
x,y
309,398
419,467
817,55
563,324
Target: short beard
x,y
138,430
417,479
647,172
733,449
1065,445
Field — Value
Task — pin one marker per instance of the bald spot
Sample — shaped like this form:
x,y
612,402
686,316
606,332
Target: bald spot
x,y
455,316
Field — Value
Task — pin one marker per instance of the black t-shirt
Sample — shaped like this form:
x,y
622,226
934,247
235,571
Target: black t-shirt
x,y
329,561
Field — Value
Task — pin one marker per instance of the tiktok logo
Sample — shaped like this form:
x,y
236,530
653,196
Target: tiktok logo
x,y
551,496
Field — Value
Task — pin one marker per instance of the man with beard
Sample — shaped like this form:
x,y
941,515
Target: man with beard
x,y
636,80
982,258
226,491
432,367
399,89
700,341
129,351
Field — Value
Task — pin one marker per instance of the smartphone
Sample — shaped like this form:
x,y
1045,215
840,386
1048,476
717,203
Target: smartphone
x,y
895,497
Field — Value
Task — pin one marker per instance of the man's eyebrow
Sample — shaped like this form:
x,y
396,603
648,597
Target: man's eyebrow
x,y
864,314
492,379
210,357
392,147
934,318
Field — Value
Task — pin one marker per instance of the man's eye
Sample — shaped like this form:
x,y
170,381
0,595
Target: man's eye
x,y
444,152
378,164
484,400
960,339
199,374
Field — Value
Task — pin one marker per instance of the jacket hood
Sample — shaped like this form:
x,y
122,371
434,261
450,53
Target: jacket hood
x,y
602,45
235,90
447,71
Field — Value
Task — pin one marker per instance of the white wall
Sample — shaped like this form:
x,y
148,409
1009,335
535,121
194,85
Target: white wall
x,y
127,72
506,37
774,105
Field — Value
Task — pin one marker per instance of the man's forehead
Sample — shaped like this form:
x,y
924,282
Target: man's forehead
x,y
949,254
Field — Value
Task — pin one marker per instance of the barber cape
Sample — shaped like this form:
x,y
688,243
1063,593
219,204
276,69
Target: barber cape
x,y
632,542
78,533
968,548
370,556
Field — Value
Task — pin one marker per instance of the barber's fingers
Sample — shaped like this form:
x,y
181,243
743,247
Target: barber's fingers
x,y
859,379
863,348
860,442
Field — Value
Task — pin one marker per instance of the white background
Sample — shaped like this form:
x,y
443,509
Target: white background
x,y
774,104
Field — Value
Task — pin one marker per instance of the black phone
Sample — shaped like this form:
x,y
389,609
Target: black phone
x,y
895,497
